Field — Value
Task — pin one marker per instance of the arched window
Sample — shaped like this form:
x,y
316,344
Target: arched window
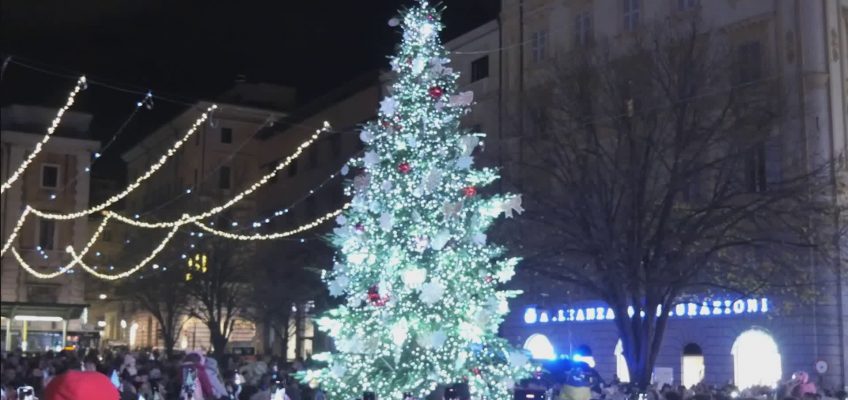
x,y
540,347
621,363
692,365
756,359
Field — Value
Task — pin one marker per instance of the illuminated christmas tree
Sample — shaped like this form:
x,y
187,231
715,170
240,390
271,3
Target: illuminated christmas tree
x,y
421,282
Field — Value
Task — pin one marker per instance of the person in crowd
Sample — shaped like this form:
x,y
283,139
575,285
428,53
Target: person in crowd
x,y
77,385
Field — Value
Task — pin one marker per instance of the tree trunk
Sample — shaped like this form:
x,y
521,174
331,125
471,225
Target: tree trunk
x,y
170,341
641,339
219,340
299,322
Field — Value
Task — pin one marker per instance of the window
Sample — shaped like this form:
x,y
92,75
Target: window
x,y
42,293
540,347
749,59
224,178
314,156
755,168
46,234
49,176
293,168
756,360
583,28
631,15
684,5
336,145
692,365
538,42
621,368
226,135
479,68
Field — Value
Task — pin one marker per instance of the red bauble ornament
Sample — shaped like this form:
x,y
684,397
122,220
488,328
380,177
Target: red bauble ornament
x,y
488,279
404,168
469,191
373,293
374,297
436,92
359,228
476,371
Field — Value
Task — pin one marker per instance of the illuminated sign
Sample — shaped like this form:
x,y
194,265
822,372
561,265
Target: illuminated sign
x,y
710,308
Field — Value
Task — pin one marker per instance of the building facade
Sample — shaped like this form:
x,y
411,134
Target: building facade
x,y
220,160
800,44
36,312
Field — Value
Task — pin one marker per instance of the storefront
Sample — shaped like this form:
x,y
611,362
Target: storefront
x,y
40,327
748,342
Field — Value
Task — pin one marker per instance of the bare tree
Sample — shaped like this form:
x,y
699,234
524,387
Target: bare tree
x,y
165,298
658,172
218,287
284,287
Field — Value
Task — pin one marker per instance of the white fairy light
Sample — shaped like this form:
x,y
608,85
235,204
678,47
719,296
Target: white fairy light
x,y
112,200
150,171
188,219
141,264
272,236
61,270
81,84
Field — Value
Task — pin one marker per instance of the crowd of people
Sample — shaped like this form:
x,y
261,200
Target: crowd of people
x,y
578,381
149,376
111,375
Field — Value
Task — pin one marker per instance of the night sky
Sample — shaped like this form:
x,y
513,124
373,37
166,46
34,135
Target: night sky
x,y
187,50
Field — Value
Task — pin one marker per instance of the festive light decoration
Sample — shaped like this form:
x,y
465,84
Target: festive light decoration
x,y
40,275
81,84
150,171
188,219
412,257
114,199
141,264
272,236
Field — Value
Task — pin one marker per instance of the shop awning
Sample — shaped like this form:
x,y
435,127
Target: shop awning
x,y
64,311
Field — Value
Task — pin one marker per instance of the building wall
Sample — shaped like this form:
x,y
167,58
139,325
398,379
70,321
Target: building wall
x,y
804,46
22,129
71,194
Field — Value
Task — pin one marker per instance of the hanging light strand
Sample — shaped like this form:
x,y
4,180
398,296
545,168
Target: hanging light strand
x,y
40,275
81,84
258,236
150,171
188,219
141,264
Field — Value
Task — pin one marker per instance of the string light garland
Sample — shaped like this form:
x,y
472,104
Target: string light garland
x,y
258,236
15,230
188,219
150,171
141,264
147,103
40,275
81,85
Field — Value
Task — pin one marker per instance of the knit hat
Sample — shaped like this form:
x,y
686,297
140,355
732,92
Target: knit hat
x,y
76,385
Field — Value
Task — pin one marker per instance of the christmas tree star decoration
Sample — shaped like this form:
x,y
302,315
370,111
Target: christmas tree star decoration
x,y
412,251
